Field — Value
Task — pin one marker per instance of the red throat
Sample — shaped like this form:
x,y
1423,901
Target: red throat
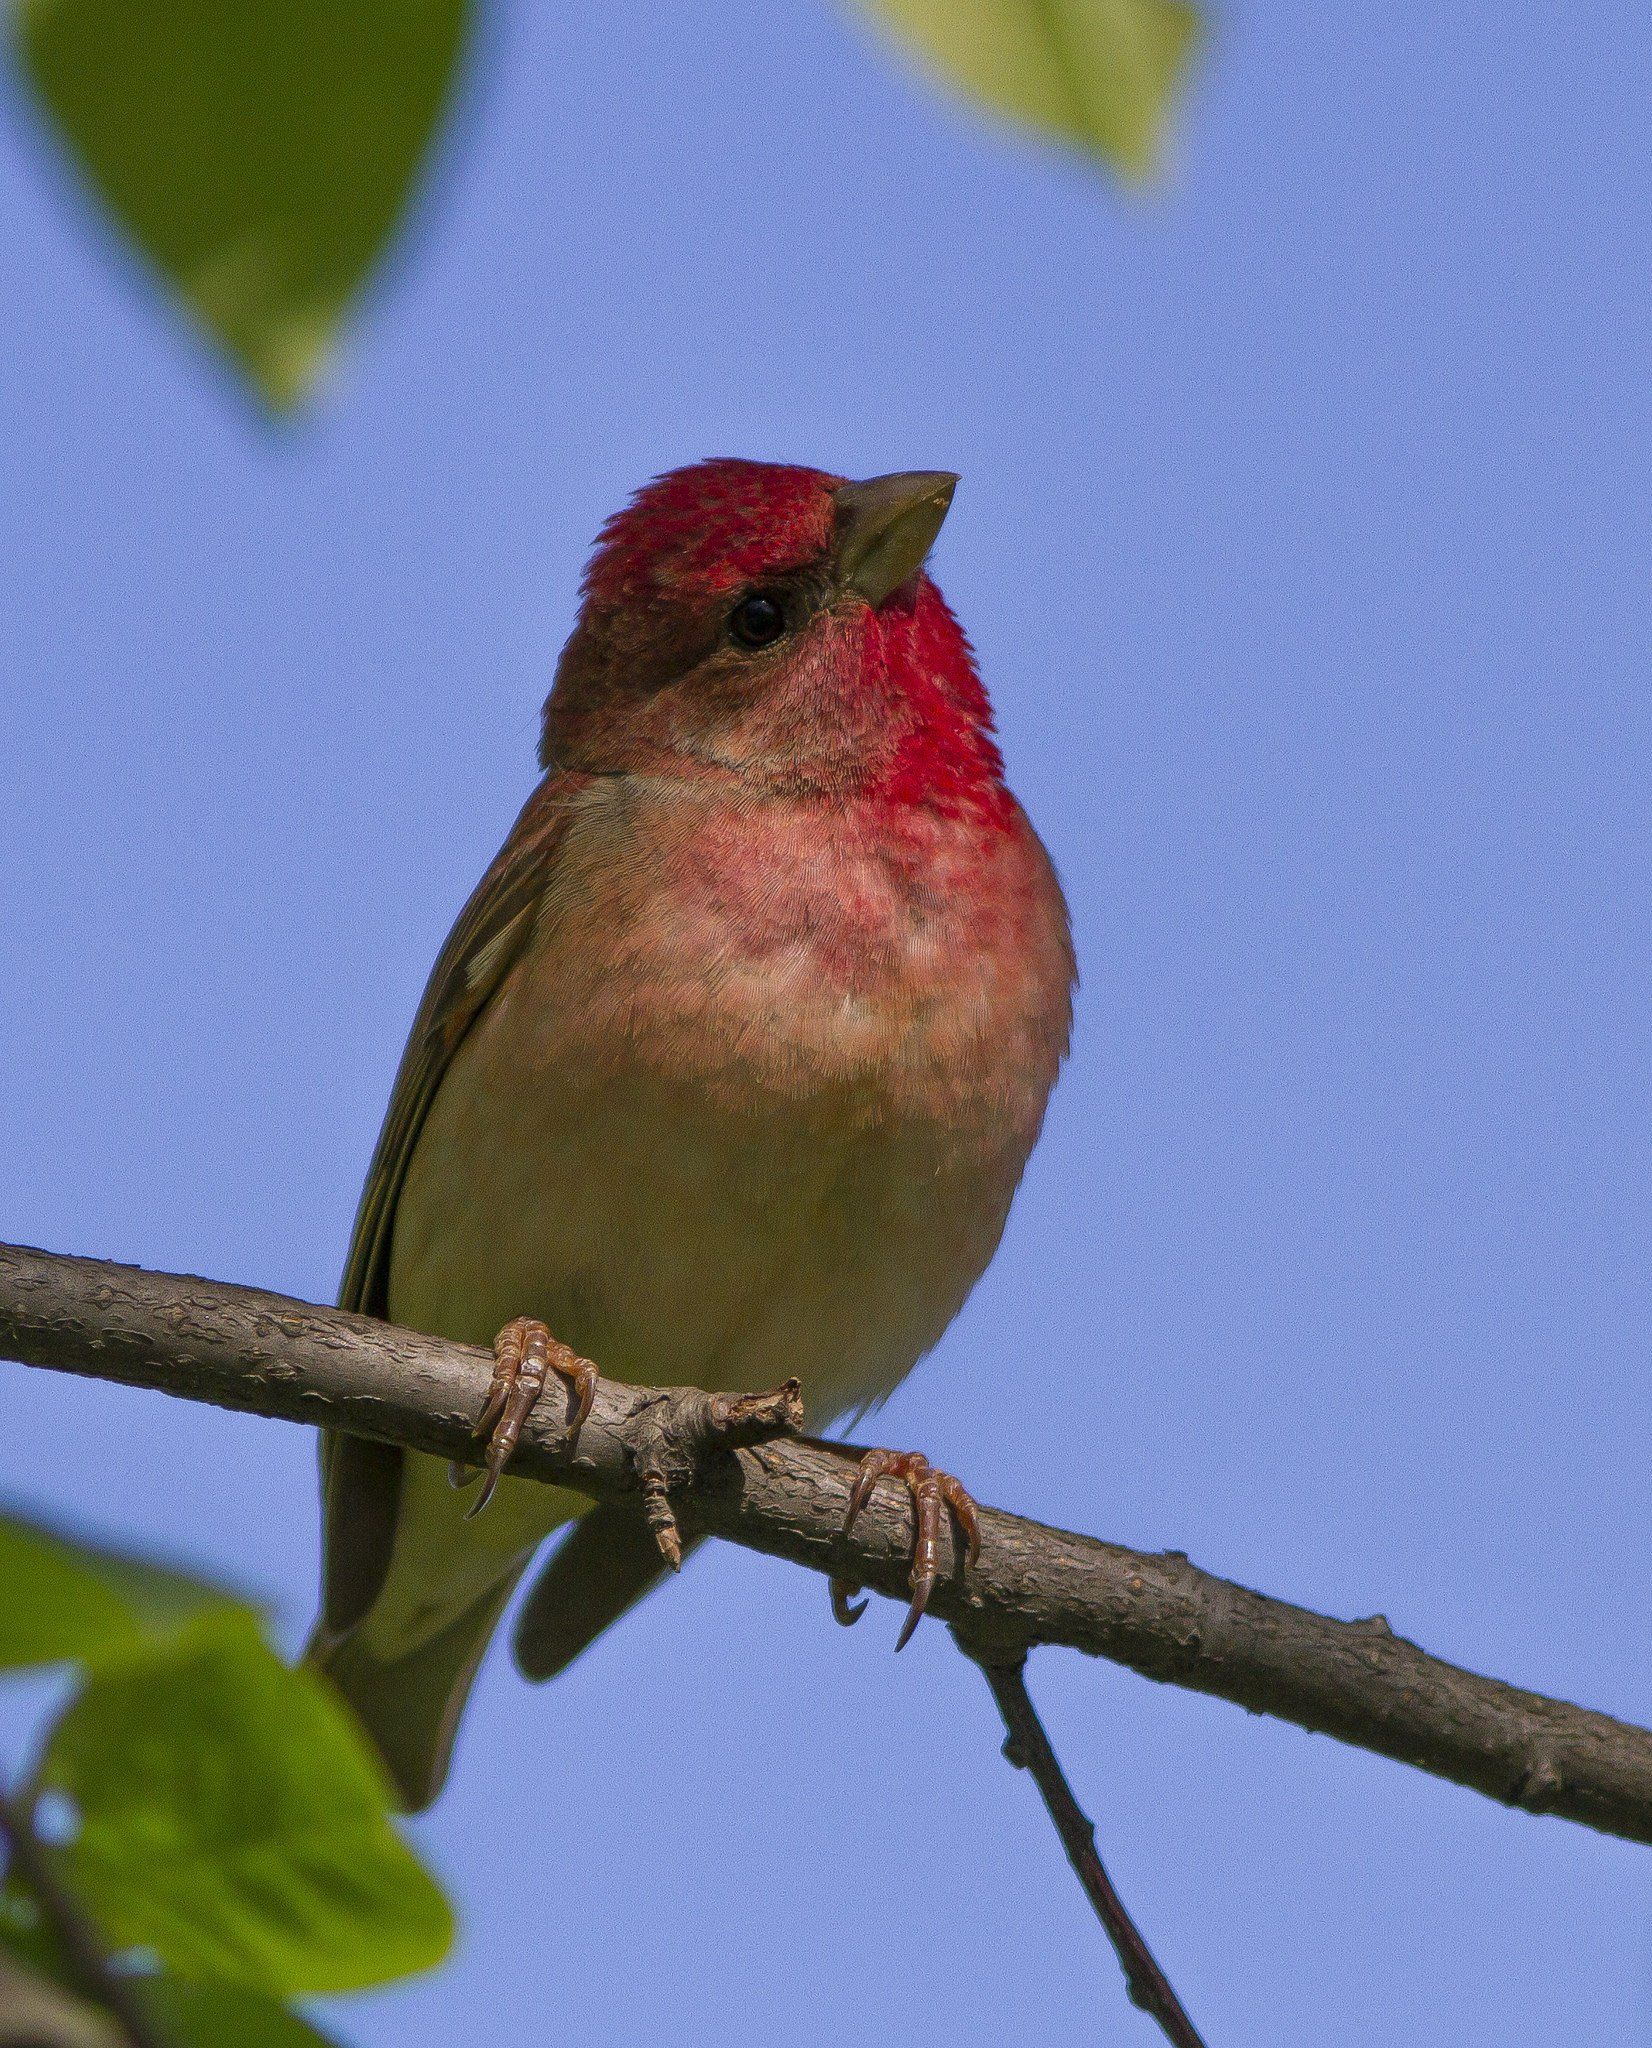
x,y
946,758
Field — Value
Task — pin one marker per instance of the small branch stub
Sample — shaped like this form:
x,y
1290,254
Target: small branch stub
x,y
677,1430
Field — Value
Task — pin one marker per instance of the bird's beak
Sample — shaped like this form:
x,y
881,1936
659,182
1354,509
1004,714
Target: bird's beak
x,y
886,526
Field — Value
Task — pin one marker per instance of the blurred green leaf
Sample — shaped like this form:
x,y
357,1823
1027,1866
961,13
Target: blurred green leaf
x,y
1101,73
260,153
233,1820
229,2016
66,1601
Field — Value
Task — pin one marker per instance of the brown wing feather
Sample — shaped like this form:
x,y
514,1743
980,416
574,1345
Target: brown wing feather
x,y
480,949
361,1481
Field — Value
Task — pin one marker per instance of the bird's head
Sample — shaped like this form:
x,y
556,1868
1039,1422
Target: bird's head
x,y
775,623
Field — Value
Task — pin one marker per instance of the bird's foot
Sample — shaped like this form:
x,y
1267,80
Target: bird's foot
x,y
525,1354
931,1492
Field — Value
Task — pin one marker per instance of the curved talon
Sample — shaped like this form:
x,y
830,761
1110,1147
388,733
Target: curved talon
x,y
923,1482
931,1491
846,1609
525,1354
490,1479
584,1381
872,1468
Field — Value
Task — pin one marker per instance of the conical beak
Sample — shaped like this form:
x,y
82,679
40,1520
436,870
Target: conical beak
x,y
886,526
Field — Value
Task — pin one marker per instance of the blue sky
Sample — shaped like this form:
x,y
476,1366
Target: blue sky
x,y
1303,534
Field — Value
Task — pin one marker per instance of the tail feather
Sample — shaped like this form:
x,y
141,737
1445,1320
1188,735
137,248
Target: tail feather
x,y
410,1704
413,1593
600,1569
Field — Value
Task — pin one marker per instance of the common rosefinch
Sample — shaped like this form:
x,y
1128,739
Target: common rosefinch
x,y
730,1066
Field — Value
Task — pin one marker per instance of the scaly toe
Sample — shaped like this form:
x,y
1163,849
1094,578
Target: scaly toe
x,y
933,1493
525,1354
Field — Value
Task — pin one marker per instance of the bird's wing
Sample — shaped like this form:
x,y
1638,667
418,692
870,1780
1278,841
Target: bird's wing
x,y
480,949
361,1481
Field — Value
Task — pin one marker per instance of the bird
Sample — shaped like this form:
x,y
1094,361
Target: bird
x,y
727,1073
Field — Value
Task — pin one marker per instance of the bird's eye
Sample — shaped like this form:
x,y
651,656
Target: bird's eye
x,y
757,620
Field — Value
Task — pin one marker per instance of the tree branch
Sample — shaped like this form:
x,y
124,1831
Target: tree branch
x,y
29,1865
1161,1615
1028,1748
36,2013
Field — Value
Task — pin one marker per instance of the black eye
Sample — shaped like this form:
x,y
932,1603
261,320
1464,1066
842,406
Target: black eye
x,y
757,620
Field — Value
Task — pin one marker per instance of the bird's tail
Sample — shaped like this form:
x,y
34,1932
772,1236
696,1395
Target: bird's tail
x,y
405,1657
410,1701
413,1593
600,1570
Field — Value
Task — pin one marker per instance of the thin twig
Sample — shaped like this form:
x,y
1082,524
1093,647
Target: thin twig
x,y
83,1947
1028,1748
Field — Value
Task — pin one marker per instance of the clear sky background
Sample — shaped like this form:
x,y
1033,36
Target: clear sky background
x,y
1303,534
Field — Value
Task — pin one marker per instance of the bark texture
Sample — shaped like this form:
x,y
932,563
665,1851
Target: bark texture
x,y
1159,1614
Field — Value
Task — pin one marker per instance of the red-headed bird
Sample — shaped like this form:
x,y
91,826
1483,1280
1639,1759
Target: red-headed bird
x,y
729,1068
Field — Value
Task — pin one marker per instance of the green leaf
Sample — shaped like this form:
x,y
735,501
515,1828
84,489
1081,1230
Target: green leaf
x,y
229,2016
234,1822
66,1601
260,152
1100,73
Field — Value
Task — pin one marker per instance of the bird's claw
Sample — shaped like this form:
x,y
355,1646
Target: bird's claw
x,y
525,1354
931,1491
846,1609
